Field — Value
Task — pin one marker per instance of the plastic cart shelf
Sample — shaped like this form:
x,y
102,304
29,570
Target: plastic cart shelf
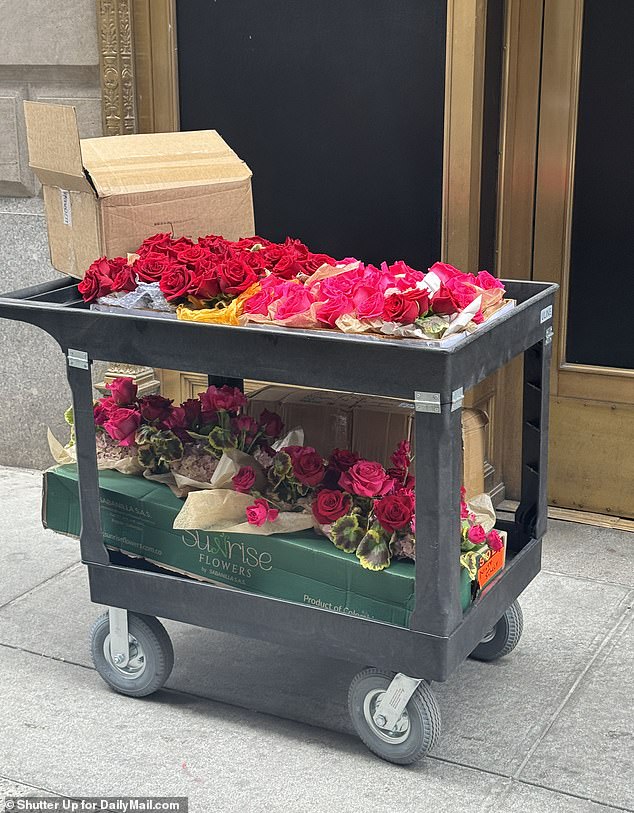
x,y
395,716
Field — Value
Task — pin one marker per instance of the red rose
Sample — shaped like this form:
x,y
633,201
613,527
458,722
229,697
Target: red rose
x,y
152,267
102,410
329,505
158,243
394,511
401,458
123,391
271,424
225,397
260,512
122,424
192,255
248,242
235,276
176,247
177,419
97,280
342,459
367,479
193,409
177,282
205,283
214,243
125,279
244,480
442,302
154,407
400,308
308,465
286,260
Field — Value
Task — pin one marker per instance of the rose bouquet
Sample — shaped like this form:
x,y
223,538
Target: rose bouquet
x,y
215,280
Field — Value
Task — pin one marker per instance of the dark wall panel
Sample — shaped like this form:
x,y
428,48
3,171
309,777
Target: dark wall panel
x,y
337,106
601,299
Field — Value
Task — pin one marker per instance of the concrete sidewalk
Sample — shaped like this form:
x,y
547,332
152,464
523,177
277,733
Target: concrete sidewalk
x,y
245,726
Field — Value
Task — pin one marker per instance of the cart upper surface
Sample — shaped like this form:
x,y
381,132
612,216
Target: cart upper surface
x,y
317,358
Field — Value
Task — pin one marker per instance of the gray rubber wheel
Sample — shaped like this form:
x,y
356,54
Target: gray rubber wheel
x,y
151,655
504,636
415,733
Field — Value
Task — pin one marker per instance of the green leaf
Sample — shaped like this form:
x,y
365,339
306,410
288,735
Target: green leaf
x,y
282,464
69,416
167,446
470,562
373,551
346,533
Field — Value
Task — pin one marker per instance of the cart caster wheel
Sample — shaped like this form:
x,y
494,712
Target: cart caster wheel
x,y
415,733
151,655
503,638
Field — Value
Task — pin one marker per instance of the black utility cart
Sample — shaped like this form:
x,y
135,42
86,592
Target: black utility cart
x,y
391,704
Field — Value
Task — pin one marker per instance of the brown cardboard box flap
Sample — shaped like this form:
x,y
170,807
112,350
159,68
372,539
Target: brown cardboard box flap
x,y
149,162
54,151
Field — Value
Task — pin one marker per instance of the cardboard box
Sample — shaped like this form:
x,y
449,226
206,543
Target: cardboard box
x,y
137,517
106,195
371,426
380,423
325,416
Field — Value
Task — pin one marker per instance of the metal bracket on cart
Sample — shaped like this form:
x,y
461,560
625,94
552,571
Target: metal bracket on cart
x,y
430,401
393,703
77,358
119,639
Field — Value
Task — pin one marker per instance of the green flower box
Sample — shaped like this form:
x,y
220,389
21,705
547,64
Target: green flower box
x,y
137,517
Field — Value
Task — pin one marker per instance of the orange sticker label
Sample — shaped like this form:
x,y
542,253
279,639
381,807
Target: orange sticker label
x,y
488,568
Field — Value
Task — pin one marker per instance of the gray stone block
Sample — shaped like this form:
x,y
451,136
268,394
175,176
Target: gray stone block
x,y
32,366
590,552
37,33
29,555
589,750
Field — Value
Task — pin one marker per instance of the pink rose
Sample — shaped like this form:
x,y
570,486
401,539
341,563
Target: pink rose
x,y
444,271
487,281
260,512
122,424
367,479
259,303
292,299
462,291
244,480
123,391
368,302
329,311
476,534
495,541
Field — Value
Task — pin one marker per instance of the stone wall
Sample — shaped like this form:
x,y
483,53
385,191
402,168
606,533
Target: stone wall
x,y
48,52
